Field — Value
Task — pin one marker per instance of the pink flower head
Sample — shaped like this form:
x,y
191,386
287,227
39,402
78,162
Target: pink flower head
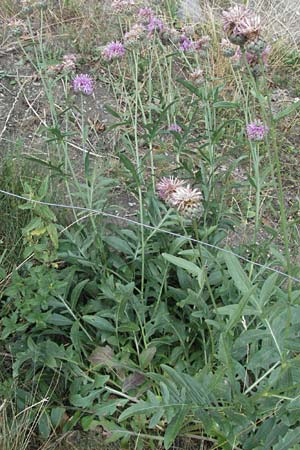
x,y
175,127
197,75
167,186
83,83
233,16
69,61
145,14
155,24
113,50
256,131
202,43
186,44
187,200
250,26
241,24
136,33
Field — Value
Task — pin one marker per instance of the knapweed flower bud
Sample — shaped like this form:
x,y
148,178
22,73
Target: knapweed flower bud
x,y
41,5
27,7
17,27
228,49
169,36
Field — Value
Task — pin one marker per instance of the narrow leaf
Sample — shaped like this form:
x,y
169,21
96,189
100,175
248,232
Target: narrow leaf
x,y
174,427
184,264
99,323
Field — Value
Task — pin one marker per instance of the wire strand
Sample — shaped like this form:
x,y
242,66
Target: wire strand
x,y
150,227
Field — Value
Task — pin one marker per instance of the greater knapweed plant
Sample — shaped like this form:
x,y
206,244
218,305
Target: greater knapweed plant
x,y
150,327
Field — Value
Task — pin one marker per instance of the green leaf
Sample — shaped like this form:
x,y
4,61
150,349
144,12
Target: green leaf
x,y
57,416
87,166
142,407
240,278
47,164
112,111
195,393
184,264
35,223
88,423
235,311
190,86
70,424
52,230
43,190
119,244
146,356
109,408
291,438
99,323
235,270
287,111
268,289
130,167
128,327
102,356
226,105
101,380
174,427
76,292
75,335
44,425
59,320
85,402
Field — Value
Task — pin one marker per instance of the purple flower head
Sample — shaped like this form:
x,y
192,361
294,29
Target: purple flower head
x,y
155,24
135,34
186,44
113,50
145,14
83,83
256,131
175,127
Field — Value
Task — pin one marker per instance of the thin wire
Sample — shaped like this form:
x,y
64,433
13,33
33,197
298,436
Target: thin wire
x,y
150,227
